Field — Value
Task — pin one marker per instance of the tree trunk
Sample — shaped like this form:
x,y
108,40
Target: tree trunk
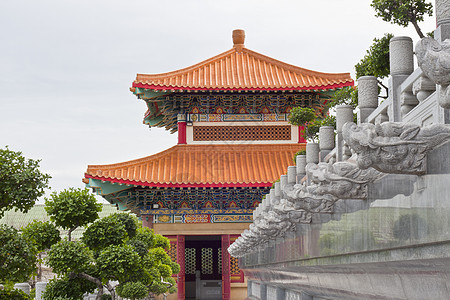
x,y
416,26
69,233
39,275
97,282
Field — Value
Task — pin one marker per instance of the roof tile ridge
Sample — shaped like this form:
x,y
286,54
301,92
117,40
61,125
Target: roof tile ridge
x,y
189,68
138,160
296,69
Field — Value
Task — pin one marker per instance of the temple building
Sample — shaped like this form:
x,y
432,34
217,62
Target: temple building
x,y
234,141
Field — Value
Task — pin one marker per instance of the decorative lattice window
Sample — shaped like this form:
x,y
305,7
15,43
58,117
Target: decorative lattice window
x,y
173,252
234,267
190,262
242,133
219,259
207,261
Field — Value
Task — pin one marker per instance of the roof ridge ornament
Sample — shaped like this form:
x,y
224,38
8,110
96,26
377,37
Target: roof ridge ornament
x,y
238,39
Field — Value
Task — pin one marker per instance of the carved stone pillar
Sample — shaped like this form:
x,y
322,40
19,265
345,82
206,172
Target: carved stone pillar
x,y
401,55
292,175
326,141
40,288
301,164
401,59
312,153
367,97
344,114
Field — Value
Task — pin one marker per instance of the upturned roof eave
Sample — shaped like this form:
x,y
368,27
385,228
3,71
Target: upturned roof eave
x,y
179,184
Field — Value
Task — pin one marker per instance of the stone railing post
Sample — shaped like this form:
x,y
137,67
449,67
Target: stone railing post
x,y
367,97
326,141
344,114
24,286
401,60
442,33
40,288
442,20
292,175
301,165
312,153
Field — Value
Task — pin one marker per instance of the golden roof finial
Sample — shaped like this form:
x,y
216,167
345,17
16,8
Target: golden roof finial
x,y
238,39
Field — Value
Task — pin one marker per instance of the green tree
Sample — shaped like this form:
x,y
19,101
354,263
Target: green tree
x,y
346,96
376,61
17,257
21,182
72,208
403,12
303,116
42,235
112,248
132,290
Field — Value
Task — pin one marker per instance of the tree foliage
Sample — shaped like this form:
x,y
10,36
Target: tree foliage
x,y
72,208
403,12
13,294
306,117
17,257
105,232
376,61
300,116
42,235
67,288
346,96
132,290
21,182
113,248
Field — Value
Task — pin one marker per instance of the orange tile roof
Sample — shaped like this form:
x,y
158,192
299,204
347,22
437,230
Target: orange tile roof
x,y
203,165
242,69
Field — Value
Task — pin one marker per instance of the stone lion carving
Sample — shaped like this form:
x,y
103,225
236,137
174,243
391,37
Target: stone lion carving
x,y
434,60
343,180
394,147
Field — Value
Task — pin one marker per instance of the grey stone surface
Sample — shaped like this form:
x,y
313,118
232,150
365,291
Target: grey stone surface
x,y
343,180
433,58
326,138
312,152
401,55
344,114
394,147
423,87
24,286
367,92
442,12
40,288
301,164
292,174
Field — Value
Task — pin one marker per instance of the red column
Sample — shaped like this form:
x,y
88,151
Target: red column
x,y
301,134
181,132
226,273
147,221
181,262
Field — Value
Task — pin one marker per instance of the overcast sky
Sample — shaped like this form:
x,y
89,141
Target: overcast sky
x,y
66,66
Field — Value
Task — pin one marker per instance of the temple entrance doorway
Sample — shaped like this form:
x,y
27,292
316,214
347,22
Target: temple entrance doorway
x,y
203,267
